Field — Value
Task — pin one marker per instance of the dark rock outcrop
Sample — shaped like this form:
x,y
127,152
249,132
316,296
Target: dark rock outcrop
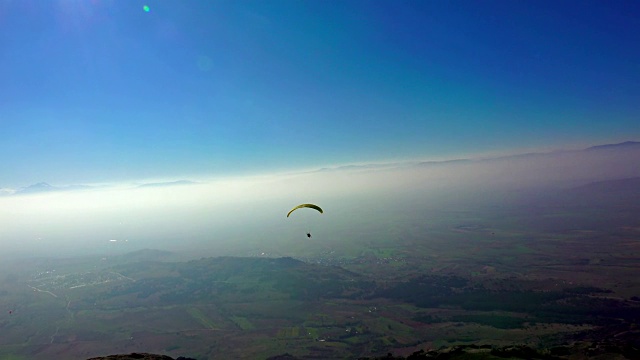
x,y
135,356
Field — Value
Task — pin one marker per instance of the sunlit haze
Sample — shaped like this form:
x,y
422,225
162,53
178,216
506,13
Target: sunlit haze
x,y
245,214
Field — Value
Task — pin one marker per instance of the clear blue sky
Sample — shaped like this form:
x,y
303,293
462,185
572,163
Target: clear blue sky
x,y
103,90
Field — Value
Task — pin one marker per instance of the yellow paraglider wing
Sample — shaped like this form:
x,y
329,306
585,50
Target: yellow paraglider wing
x,y
312,206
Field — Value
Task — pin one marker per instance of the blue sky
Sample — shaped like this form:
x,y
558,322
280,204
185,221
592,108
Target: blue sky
x,y
94,91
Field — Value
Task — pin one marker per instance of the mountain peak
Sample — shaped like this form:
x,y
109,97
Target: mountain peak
x,y
626,144
41,184
39,187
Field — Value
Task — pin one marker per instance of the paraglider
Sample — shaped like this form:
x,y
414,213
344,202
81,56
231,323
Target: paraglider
x,y
310,206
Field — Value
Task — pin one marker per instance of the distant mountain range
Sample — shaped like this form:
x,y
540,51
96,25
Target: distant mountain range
x,y
36,188
624,146
44,187
607,148
627,145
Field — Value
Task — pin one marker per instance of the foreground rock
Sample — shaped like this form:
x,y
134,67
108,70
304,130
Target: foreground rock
x,y
611,349
138,356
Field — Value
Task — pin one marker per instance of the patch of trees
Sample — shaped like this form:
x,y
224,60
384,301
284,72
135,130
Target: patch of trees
x,y
425,291
569,306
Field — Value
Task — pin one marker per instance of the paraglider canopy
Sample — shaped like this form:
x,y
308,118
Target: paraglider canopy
x,y
311,206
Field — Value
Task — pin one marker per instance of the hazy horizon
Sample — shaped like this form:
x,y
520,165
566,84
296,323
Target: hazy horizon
x,y
240,215
181,179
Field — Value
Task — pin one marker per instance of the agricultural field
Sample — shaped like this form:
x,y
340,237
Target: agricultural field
x,y
476,278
